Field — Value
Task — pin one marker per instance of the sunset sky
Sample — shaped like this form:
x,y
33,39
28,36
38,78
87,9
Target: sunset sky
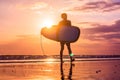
x,y
22,20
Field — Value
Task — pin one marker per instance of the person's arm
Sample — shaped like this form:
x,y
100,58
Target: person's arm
x,y
69,23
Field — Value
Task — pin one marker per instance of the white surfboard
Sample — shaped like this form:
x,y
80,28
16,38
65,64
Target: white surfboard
x,y
65,34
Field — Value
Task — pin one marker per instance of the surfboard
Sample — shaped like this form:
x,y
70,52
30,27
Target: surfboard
x,y
64,34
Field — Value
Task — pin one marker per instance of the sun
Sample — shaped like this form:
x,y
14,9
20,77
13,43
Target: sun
x,y
45,22
48,23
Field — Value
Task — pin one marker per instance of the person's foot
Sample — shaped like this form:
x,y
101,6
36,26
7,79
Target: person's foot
x,y
62,61
72,59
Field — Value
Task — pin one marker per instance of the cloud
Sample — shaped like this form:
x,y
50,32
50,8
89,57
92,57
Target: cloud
x,y
34,5
23,45
111,36
107,37
103,6
103,32
89,23
26,36
29,45
106,28
24,5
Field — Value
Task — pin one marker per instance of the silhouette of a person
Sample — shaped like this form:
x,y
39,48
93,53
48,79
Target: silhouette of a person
x,y
64,22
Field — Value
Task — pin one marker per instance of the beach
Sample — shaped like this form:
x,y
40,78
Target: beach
x,y
78,70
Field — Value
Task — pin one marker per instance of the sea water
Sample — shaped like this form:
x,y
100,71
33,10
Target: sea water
x,y
52,69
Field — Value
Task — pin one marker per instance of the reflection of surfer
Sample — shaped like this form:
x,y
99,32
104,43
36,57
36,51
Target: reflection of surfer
x,y
63,23
69,76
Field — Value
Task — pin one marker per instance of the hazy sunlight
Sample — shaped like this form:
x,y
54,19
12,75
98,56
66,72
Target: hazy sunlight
x,y
48,23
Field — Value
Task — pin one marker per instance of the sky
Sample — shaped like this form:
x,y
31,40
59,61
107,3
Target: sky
x,y
22,20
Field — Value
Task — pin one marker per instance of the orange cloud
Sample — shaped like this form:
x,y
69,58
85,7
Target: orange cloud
x,y
33,5
29,45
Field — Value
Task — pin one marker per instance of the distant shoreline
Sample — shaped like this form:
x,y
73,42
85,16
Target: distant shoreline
x,y
29,57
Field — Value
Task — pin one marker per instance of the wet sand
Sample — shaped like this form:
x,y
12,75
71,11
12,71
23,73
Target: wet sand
x,y
78,70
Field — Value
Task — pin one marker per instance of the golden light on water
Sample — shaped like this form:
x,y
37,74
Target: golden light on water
x,y
50,60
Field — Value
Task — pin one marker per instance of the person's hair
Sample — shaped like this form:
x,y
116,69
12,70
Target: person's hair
x,y
64,15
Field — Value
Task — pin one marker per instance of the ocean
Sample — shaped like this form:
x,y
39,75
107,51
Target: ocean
x,y
53,69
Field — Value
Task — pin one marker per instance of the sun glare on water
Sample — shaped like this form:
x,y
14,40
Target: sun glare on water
x,y
50,60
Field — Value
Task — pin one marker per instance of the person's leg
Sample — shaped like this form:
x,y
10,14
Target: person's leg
x,y
69,48
61,51
70,51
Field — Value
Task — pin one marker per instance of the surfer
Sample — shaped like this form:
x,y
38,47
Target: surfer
x,y
64,22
